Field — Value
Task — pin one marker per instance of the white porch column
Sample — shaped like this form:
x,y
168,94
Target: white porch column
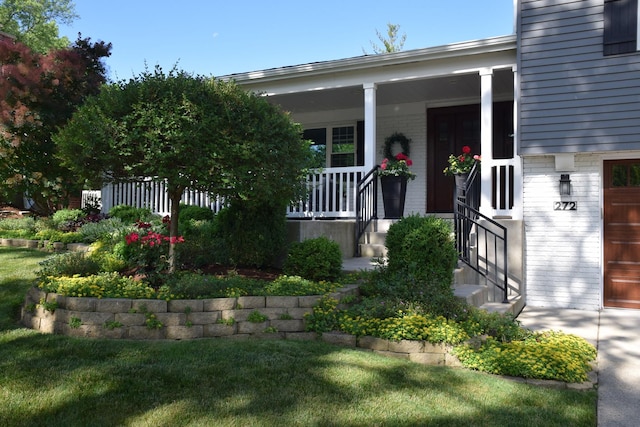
x,y
486,139
517,161
369,125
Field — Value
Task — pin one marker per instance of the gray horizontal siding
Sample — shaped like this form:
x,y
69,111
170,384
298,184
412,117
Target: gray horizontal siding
x,y
572,98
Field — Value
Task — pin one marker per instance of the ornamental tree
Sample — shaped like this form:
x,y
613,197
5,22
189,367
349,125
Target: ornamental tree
x,y
38,94
193,132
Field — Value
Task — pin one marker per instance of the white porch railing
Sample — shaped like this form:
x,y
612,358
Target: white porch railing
x,y
504,186
152,194
331,194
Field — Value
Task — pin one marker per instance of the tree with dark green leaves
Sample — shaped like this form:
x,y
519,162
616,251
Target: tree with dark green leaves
x,y
35,22
192,132
391,43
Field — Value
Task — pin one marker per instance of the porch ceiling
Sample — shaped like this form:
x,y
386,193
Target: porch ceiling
x,y
460,87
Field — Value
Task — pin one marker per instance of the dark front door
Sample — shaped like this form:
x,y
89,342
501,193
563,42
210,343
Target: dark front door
x,y
448,130
622,233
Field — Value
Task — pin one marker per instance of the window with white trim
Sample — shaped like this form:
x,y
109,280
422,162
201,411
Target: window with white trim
x,y
333,146
620,27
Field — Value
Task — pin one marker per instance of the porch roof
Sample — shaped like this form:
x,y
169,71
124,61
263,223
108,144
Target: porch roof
x,y
406,76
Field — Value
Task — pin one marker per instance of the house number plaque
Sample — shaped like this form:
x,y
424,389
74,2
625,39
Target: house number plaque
x,y
565,206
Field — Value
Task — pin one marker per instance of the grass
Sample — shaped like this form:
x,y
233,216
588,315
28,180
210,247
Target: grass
x,y
61,381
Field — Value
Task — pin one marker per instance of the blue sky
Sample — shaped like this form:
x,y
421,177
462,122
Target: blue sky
x,y
215,37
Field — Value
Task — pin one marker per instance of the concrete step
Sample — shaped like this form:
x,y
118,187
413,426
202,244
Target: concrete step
x,y
369,250
374,237
381,225
514,306
474,295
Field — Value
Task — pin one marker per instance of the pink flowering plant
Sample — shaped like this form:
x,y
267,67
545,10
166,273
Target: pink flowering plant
x,y
462,163
397,166
147,249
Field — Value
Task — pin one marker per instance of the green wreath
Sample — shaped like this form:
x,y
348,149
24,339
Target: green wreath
x,y
399,138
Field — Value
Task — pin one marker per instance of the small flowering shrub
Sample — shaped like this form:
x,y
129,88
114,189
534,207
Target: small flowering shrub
x,y
147,250
102,285
545,355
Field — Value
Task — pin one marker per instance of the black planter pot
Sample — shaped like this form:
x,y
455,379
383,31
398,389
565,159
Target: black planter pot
x,y
394,190
461,179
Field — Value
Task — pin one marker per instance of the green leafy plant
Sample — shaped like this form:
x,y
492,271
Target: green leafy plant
x,y
314,259
111,325
49,306
75,322
257,317
228,321
151,319
285,316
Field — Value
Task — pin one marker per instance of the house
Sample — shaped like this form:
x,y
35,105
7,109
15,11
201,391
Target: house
x,y
579,116
554,109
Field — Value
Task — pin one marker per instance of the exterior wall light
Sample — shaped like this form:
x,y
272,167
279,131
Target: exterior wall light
x,y
565,185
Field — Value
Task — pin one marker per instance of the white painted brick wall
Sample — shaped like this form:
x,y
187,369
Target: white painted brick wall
x,y
562,248
414,127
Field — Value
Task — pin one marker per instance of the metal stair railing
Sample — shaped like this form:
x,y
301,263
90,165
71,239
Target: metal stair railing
x,y
491,262
366,205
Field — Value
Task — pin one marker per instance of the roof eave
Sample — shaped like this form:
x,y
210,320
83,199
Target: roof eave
x,y
472,47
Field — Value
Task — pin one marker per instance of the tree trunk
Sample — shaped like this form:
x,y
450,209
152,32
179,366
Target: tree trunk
x,y
175,195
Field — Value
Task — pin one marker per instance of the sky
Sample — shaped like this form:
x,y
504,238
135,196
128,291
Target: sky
x,y
216,37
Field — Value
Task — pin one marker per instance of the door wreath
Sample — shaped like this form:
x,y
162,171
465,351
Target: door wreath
x,y
393,139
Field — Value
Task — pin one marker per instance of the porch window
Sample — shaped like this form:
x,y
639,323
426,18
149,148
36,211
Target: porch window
x,y
620,27
333,146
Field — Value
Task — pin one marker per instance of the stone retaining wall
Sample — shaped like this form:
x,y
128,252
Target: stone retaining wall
x,y
40,244
176,319
149,319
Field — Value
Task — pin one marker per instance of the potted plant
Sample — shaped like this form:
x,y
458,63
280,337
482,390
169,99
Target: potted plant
x,y
460,165
394,173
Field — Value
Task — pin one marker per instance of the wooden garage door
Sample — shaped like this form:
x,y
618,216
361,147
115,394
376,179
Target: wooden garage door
x,y
622,233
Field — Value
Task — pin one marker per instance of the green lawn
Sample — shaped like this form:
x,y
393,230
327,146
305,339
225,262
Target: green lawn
x,y
54,380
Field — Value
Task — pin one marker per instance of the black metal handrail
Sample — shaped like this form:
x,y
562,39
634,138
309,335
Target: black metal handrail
x,y
490,261
366,205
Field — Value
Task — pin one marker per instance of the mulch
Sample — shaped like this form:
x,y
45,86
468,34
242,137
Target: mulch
x,y
7,211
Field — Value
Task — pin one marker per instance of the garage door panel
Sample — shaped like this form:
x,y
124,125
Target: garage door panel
x,y
622,233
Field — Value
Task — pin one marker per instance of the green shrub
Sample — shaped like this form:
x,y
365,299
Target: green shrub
x,y
68,264
27,224
251,234
202,245
106,256
61,218
101,230
295,285
130,214
423,246
314,259
190,213
59,236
